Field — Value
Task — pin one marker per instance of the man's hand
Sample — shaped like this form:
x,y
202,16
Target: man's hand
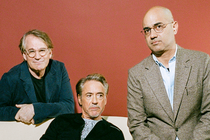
x,y
25,113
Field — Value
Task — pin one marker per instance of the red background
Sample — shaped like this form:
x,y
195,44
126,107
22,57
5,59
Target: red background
x,y
98,36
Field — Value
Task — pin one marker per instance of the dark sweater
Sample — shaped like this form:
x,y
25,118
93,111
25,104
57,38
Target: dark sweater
x,y
69,127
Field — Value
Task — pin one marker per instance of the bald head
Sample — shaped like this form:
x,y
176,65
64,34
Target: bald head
x,y
158,13
159,30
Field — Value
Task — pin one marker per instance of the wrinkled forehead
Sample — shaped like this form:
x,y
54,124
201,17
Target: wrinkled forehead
x,y
32,41
93,86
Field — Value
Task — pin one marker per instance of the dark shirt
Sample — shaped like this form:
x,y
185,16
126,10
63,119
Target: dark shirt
x,y
39,88
39,85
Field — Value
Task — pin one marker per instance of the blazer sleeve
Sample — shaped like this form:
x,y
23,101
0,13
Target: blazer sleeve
x,y
202,129
61,102
136,114
7,106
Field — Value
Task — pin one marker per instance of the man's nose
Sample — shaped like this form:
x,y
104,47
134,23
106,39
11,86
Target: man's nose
x,y
153,34
37,55
95,100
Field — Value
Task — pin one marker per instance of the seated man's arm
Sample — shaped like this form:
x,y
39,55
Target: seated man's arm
x,y
8,109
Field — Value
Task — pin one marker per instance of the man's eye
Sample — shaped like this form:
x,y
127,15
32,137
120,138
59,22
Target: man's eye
x,y
159,26
31,51
88,95
42,50
147,30
100,95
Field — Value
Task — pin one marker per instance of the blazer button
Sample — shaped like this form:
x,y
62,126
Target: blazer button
x,y
176,129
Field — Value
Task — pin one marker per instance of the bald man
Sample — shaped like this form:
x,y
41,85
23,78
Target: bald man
x,y
169,91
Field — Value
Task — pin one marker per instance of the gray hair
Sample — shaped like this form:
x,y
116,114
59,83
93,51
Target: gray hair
x,y
37,33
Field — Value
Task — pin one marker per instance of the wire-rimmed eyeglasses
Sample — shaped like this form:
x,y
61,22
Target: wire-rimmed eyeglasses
x,y
32,53
158,28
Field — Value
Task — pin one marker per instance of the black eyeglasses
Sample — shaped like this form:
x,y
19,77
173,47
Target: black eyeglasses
x,y
32,53
158,28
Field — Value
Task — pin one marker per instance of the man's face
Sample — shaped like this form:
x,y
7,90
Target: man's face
x,y
160,42
93,100
38,63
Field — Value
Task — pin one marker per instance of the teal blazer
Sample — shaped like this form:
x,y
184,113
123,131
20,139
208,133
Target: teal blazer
x,y
16,87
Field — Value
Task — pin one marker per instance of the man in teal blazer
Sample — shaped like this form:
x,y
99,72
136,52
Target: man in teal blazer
x,y
38,88
169,91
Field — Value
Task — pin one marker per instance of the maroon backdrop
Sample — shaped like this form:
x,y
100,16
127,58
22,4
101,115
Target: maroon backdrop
x,y
98,36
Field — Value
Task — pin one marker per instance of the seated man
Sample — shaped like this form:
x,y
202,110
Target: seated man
x,y
39,87
92,97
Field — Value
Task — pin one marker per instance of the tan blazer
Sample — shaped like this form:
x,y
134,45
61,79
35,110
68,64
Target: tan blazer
x,y
150,115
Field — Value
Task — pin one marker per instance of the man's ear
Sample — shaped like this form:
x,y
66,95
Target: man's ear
x,y
50,53
24,56
79,98
106,99
175,27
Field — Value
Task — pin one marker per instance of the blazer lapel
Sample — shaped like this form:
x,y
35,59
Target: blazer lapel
x,y
50,84
182,74
27,82
155,81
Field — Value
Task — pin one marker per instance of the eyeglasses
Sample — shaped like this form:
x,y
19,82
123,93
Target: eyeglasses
x,y
32,53
158,28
